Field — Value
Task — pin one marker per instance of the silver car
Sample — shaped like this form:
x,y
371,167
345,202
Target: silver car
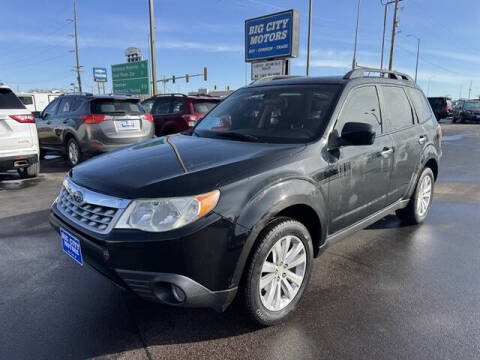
x,y
82,125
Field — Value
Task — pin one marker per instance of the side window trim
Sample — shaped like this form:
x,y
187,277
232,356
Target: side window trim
x,y
347,98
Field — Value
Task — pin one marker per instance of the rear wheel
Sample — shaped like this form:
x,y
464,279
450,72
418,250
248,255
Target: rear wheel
x,y
74,154
461,119
29,172
419,204
278,271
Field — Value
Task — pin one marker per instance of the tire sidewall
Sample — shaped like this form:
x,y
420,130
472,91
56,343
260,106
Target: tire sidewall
x,y
287,227
426,172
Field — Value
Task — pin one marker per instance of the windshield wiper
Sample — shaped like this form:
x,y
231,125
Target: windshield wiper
x,y
237,135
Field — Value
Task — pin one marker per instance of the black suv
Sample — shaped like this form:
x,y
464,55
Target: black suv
x,y
263,183
81,125
441,106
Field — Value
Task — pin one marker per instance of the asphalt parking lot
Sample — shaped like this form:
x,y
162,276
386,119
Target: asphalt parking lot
x,y
389,292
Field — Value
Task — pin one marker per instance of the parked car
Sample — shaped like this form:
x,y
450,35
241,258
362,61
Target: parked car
x,y
36,101
18,136
262,184
441,107
82,125
467,110
174,113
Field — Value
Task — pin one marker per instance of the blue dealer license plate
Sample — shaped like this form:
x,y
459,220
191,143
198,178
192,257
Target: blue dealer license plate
x,y
71,246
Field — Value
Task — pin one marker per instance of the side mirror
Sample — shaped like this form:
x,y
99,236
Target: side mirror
x,y
355,133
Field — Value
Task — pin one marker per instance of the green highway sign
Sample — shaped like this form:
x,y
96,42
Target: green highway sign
x,y
131,78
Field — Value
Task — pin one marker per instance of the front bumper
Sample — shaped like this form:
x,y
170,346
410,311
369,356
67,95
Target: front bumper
x,y
12,162
149,266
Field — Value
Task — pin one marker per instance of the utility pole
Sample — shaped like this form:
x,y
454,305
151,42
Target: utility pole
x,y
153,59
394,31
470,89
309,35
354,60
418,53
384,28
77,68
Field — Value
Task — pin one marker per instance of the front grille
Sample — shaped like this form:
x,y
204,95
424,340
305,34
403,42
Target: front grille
x,y
95,212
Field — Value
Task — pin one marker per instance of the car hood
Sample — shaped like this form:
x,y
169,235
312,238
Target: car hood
x,y
177,165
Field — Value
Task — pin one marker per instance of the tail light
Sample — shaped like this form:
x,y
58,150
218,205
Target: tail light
x,y
447,108
148,117
24,119
93,118
190,119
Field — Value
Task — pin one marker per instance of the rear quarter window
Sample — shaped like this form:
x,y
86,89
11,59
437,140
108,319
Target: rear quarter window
x,y
421,105
8,100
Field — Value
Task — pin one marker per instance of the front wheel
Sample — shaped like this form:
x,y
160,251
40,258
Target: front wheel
x,y
419,205
278,271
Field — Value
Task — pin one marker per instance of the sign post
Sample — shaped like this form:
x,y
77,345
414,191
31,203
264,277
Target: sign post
x,y
272,37
131,78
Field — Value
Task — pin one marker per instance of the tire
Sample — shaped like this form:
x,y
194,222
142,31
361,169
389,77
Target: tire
x,y
73,151
461,119
417,209
30,172
264,305
454,120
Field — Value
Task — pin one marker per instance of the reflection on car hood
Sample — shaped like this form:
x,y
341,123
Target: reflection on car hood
x,y
152,168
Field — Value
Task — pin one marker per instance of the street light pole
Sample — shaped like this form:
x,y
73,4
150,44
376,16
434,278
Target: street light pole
x,y
77,68
153,59
354,60
309,35
418,53
394,27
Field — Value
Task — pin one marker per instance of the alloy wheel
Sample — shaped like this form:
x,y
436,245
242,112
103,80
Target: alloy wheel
x,y
282,273
424,196
73,153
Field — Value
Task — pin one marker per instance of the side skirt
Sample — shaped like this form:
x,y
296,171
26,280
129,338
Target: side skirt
x,y
362,224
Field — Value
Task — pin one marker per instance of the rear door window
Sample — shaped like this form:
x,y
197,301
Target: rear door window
x,y
396,109
8,100
420,104
161,106
203,107
362,105
67,105
108,106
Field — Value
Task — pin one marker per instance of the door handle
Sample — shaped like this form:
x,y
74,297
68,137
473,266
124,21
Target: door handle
x,y
386,152
64,121
422,139
48,122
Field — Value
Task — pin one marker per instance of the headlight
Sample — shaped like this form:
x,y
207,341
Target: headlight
x,y
157,215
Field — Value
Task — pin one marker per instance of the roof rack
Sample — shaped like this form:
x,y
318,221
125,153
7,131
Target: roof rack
x,y
274,77
361,71
78,93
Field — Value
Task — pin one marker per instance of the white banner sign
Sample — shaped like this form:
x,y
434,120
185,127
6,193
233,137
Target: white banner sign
x,y
268,68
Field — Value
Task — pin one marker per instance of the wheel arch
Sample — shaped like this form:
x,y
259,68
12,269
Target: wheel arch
x,y
298,199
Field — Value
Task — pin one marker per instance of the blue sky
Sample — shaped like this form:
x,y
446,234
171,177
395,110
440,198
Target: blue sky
x,y
34,42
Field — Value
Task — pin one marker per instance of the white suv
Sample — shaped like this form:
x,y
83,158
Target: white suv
x,y
18,136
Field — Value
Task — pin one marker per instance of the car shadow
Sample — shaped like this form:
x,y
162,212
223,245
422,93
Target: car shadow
x,y
388,222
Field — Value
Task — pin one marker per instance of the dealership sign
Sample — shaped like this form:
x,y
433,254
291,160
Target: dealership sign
x,y
268,68
272,36
99,74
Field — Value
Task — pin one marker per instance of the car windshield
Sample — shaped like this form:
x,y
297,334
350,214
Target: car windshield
x,y
107,106
474,105
277,114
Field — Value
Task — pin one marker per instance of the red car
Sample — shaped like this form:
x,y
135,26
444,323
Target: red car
x,y
173,113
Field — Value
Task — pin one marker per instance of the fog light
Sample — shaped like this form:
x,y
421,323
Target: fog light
x,y
178,293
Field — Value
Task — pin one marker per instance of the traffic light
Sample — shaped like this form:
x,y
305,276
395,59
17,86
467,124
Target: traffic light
x,y
173,79
187,79
214,87
228,87
205,73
